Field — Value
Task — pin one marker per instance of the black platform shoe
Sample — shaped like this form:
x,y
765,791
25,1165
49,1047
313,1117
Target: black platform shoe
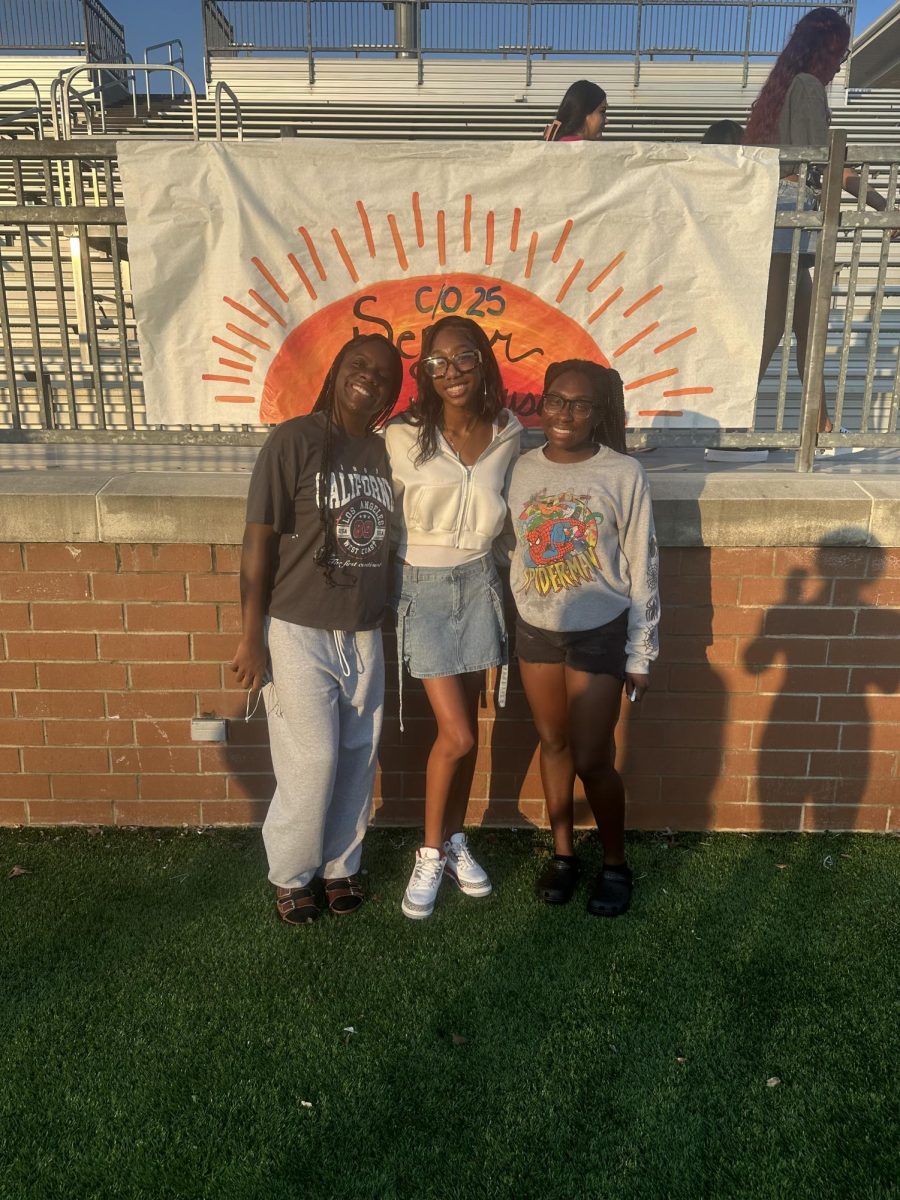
x,y
557,882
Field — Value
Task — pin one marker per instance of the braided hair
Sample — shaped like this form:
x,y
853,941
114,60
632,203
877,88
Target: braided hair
x,y
427,411
325,404
607,392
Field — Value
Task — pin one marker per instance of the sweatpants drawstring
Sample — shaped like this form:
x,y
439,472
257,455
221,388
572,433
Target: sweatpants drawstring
x,y
342,657
247,712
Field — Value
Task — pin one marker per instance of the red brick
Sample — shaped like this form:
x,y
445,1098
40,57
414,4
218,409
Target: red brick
x,y
795,737
880,652
706,679
711,622
884,561
81,556
672,761
823,561
48,586
791,791
681,815
706,792
250,787
163,733
774,764
661,705
89,733
145,647
168,705
234,812
182,787
230,618
70,812
878,622
157,812
21,733
159,588
758,591
58,647
174,618
700,590
59,704
860,709
778,817
212,588
236,759
213,647
881,792
697,650
871,737
809,680
152,760
848,764
231,705
13,616
171,557
228,559
760,708
809,622
94,787
9,759
91,676
764,652
71,760
90,616
19,675
715,734
13,812
880,593
10,557
171,677
6,705
846,817
24,787
725,561
882,679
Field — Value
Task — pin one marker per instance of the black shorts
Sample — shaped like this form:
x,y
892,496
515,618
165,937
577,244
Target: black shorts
x,y
599,651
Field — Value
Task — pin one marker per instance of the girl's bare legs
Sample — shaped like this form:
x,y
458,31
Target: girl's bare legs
x,y
773,331
451,763
545,688
594,704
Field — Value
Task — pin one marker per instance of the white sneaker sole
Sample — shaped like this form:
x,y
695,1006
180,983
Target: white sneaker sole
x,y
469,889
417,913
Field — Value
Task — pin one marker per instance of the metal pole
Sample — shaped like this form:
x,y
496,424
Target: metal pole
x,y
311,64
814,373
528,44
637,44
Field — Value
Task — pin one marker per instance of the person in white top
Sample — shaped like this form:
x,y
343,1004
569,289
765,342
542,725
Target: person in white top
x,y
451,458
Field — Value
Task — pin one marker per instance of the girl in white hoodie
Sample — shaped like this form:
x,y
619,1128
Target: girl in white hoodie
x,y
451,457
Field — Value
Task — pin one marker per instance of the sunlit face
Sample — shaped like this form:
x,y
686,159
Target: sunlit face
x,y
363,384
568,413
461,386
594,122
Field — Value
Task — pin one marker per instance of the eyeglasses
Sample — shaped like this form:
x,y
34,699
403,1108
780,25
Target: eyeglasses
x,y
437,366
551,403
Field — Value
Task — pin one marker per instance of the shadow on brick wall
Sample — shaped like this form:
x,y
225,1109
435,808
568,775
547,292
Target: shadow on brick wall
x,y
825,651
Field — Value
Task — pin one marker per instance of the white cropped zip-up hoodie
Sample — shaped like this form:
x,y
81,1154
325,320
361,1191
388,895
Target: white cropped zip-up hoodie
x,y
443,502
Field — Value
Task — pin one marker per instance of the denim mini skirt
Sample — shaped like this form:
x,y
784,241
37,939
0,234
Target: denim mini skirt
x,y
788,195
449,619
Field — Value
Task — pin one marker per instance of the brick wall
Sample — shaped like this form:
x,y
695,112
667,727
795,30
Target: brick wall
x,y
774,704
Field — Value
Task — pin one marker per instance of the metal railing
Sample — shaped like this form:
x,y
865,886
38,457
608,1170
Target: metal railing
x,y
221,87
70,366
641,30
67,91
173,60
9,119
71,26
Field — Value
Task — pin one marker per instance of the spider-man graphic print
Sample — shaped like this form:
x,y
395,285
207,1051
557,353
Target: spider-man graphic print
x,y
560,537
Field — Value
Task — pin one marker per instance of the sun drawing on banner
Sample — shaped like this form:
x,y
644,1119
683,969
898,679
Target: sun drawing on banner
x,y
269,359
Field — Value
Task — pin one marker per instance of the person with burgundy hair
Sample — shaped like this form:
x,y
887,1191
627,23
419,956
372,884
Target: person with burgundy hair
x,y
792,110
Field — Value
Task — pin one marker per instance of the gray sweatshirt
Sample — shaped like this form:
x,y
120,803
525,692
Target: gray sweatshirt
x,y
586,548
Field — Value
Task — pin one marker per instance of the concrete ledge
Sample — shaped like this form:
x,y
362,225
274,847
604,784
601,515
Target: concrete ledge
x,y
691,508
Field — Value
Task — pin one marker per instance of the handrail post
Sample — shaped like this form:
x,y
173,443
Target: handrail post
x,y
311,62
637,43
747,38
420,65
817,336
528,40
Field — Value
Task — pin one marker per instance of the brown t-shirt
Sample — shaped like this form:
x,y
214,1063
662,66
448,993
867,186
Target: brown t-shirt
x,y
360,500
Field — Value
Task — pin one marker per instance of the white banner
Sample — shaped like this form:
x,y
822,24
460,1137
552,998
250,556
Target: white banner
x,y
253,262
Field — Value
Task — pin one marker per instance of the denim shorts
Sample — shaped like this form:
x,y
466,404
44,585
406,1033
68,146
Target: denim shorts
x,y
598,651
449,619
788,194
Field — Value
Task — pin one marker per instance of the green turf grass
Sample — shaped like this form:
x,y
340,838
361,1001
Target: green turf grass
x,y
160,1031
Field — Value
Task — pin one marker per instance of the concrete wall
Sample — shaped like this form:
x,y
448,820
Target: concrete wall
x,y
774,704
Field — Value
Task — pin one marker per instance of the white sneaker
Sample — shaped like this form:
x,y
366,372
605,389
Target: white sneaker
x,y
422,889
463,869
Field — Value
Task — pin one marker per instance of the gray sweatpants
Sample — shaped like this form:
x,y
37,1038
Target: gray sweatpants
x,y
325,706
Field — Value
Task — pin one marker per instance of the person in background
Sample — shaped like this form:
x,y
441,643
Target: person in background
x,y
792,110
581,116
451,457
584,577
314,575
723,133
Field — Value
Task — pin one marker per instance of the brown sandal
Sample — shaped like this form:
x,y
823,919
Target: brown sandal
x,y
296,906
344,896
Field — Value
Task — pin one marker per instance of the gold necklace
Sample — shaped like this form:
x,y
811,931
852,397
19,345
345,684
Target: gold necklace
x,y
451,440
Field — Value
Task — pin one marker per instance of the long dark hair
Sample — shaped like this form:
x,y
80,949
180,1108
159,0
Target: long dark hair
x,y
582,98
325,404
607,392
428,409
810,49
